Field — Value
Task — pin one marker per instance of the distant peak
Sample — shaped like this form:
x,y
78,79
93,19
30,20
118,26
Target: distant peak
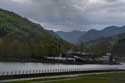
x,y
92,30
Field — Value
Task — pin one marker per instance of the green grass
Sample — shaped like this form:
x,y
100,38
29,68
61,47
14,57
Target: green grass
x,y
96,78
103,78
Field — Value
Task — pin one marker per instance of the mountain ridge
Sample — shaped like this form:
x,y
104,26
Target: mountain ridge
x,y
93,34
106,32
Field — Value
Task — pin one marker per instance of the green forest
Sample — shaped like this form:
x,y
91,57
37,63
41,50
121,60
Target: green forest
x,y
22,39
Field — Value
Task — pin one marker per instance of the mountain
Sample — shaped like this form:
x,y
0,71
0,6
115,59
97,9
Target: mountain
x,y
77,37
107,32
21,39
114,44
72,37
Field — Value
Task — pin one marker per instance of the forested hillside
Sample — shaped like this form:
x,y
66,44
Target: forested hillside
x,y
21,39
114,44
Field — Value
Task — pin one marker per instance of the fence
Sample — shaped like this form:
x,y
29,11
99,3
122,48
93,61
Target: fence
x,y
47,72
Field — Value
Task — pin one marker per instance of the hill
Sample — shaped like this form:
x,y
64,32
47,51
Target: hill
x,y
21,39
101,46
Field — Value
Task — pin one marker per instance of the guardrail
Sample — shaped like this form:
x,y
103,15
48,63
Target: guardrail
x,y
21,72
47,72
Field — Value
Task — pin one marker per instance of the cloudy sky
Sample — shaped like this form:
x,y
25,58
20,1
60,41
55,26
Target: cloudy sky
x,y
68,15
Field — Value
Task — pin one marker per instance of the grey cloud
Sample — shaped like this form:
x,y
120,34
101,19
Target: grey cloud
x,y
70,14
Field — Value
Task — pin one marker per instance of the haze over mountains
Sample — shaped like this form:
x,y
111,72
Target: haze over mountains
x,y
72,37
79,36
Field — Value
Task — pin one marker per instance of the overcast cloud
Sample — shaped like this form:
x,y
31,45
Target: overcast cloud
x,y
70,15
